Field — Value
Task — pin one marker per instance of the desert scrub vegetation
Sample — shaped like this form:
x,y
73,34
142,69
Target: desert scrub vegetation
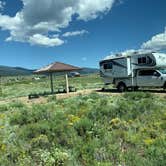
x,y
86,130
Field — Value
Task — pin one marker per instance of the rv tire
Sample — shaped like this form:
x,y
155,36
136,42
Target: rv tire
x,y
135,88
121,87
164,87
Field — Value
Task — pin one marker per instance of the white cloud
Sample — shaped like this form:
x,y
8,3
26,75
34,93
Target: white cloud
x,y
84,59
55,35
2,4
39,18
90,9
75,33
157,42
124,53
45,41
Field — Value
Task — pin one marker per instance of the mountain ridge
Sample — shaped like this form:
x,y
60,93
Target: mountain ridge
x,y
15,71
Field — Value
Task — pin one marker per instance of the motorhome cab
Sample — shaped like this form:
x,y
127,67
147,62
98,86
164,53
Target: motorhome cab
x,y
135,70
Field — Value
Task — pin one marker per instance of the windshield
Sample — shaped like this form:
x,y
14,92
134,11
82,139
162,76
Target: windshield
x,y
163,71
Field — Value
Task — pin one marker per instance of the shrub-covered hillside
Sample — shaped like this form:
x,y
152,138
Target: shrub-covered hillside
x,y
91,130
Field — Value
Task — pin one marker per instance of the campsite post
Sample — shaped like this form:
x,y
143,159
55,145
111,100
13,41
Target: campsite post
x,y
67,83
52,86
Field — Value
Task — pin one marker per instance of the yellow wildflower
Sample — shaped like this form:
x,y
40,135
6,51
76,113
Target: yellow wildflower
x,y
73,118
2,116
2,127
3,147
115,121
149,141
130,121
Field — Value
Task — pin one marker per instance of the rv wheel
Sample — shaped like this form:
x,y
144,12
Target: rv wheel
x,y
135,88
164,87
121,87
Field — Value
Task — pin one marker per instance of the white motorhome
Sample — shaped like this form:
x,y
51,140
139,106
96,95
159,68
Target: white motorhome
x,y
139,69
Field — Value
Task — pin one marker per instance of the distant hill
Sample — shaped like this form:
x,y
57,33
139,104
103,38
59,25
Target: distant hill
x,y
13,71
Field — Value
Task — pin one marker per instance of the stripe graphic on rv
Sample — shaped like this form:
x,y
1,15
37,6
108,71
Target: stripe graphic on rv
x,y
118,64
146,64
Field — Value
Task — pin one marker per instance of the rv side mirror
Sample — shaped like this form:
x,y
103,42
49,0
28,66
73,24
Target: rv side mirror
x,y
156,74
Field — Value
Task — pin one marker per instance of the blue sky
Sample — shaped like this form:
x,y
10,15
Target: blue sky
x,y
76,36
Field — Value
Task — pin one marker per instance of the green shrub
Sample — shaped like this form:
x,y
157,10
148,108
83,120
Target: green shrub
x,y
60,157
83,126
40,142
4,108
137,95
34,130
19,118
51,98
54,157
95,130
17,104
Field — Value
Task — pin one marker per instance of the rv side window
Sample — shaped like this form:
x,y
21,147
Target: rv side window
x,y
107,66
149,60
139,61
142,60
146,72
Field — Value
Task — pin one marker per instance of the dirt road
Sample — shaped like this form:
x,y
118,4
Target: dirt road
x,y
44,99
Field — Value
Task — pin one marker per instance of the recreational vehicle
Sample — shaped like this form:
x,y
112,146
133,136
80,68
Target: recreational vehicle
x,y
145,69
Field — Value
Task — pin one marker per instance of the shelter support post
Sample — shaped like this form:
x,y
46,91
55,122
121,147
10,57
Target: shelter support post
x,y
0,84
132,80
67,84
52,86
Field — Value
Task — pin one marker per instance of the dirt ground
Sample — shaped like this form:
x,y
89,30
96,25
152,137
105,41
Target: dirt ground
x,y
41,100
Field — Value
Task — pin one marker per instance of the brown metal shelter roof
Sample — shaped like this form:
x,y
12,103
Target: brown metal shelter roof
x,y
57,67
